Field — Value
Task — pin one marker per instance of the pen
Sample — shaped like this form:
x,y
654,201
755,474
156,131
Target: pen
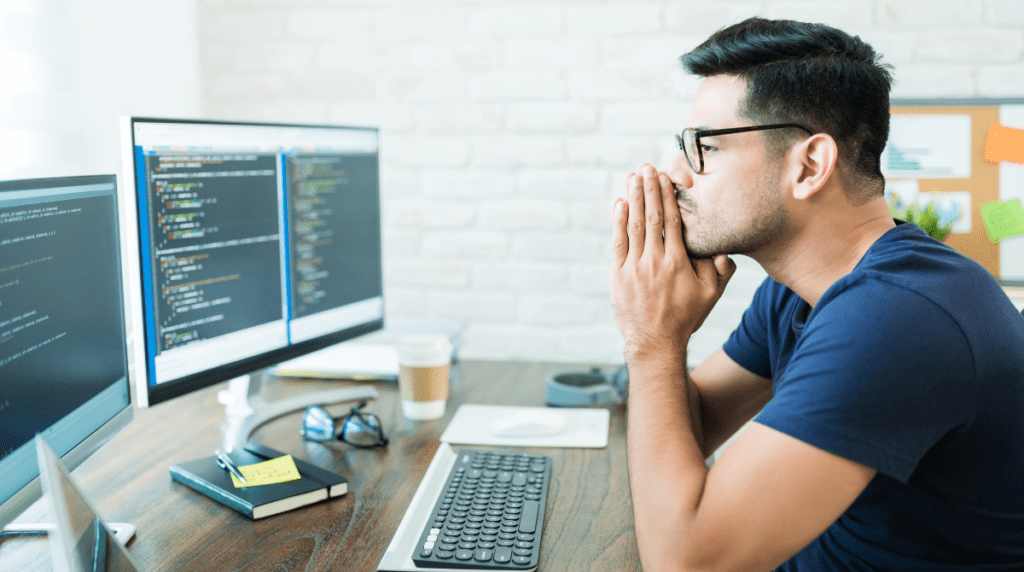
x,y
227,464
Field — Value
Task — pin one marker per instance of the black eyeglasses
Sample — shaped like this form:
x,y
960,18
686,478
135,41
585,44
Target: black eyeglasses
x,y
689,141
357,428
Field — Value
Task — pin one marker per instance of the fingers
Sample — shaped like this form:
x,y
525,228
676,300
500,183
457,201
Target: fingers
x,y
620,242
639,222
714,273
673,219
635,215
725,267
654,211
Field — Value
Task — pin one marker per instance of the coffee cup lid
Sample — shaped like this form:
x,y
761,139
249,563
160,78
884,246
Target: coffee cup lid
x,y
420,347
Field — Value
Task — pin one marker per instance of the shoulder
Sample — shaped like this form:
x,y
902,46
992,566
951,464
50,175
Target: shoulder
x,y
888,320
909,279
772,297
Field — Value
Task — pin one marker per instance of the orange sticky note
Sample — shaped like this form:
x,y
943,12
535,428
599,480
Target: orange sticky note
x,y
1004,144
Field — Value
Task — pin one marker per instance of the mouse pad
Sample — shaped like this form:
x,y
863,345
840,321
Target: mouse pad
x,y
471,425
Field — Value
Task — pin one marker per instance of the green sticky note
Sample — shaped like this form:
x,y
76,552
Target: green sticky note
x,y
1003,219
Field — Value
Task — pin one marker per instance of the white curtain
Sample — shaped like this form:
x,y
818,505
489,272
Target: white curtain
x,y
40,112
70,69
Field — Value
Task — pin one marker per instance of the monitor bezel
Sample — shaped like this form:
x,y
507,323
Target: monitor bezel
x,y
33,490
152,394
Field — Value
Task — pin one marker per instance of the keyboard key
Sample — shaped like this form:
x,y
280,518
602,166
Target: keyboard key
x,y
482,555
502,554
463,554
529,521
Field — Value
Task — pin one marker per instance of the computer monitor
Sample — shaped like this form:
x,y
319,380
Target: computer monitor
x,y
257,243
63,362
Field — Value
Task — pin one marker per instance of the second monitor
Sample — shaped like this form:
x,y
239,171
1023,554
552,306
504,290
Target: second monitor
x,y
257,243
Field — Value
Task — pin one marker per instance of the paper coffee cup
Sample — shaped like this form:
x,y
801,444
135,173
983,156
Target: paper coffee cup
x,y
423,373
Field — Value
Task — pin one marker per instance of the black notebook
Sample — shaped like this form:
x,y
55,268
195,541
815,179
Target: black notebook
x,y
205,476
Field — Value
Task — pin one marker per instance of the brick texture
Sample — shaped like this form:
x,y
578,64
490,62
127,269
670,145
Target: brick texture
x,y
508,127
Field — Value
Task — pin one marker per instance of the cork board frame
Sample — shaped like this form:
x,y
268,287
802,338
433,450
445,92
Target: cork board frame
x,y
983,183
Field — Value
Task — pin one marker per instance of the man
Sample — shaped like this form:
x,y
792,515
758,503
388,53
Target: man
x,y
885,370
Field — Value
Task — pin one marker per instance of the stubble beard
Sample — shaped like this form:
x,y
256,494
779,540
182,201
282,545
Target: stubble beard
x,y
713,234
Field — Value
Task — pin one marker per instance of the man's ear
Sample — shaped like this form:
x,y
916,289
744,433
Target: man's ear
x,y
813,159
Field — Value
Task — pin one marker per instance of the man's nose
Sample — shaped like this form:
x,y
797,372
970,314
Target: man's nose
x,y
679,171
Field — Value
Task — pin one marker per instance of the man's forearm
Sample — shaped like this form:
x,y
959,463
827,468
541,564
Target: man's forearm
x,y
666,463
696,416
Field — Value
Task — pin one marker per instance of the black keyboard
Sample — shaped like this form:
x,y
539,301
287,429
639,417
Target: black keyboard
x,y
489,515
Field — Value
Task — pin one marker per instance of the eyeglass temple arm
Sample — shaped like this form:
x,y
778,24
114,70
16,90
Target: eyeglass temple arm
x,y
711,132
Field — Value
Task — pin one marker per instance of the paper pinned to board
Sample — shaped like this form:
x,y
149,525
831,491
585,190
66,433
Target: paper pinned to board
x,y
928,147
1003,219
584,427
1004,144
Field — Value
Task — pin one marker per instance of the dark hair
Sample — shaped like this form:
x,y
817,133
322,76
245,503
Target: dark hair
x,y
810,74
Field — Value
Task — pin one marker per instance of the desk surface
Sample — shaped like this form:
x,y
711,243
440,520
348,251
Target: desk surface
x,y
588,520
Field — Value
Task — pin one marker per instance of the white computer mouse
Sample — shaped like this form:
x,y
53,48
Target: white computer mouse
x,y
528,423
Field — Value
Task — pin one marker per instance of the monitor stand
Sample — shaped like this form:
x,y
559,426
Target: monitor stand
x,y
245,408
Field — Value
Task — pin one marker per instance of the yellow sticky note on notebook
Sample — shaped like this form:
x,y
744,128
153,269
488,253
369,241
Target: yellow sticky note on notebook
x,y
279,470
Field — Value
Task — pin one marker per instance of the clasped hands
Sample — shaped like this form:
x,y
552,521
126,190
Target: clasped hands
x,y
660,295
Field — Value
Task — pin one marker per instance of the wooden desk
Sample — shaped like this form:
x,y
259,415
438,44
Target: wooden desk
x,y
588,520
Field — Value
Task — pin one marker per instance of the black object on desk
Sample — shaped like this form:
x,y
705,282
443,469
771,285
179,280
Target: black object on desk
x,y
205,476
488,515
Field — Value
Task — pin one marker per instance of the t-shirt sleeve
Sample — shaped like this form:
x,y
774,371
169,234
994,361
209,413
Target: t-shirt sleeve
x,y
879,376
748,344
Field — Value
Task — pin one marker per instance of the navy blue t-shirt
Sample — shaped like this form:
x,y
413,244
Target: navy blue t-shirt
x,y
912,364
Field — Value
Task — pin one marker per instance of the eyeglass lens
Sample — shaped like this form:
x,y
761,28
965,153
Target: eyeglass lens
x,y
317,424
688,143
362,430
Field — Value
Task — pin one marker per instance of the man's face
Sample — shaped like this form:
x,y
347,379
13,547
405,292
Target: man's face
x,y
736,205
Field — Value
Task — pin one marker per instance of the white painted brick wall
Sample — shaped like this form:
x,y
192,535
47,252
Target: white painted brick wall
x,y
508,126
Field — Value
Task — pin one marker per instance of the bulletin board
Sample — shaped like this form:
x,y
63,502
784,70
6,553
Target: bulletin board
x,y
966,157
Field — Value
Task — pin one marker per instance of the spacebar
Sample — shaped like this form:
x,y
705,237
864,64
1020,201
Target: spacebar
x,y
528,521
